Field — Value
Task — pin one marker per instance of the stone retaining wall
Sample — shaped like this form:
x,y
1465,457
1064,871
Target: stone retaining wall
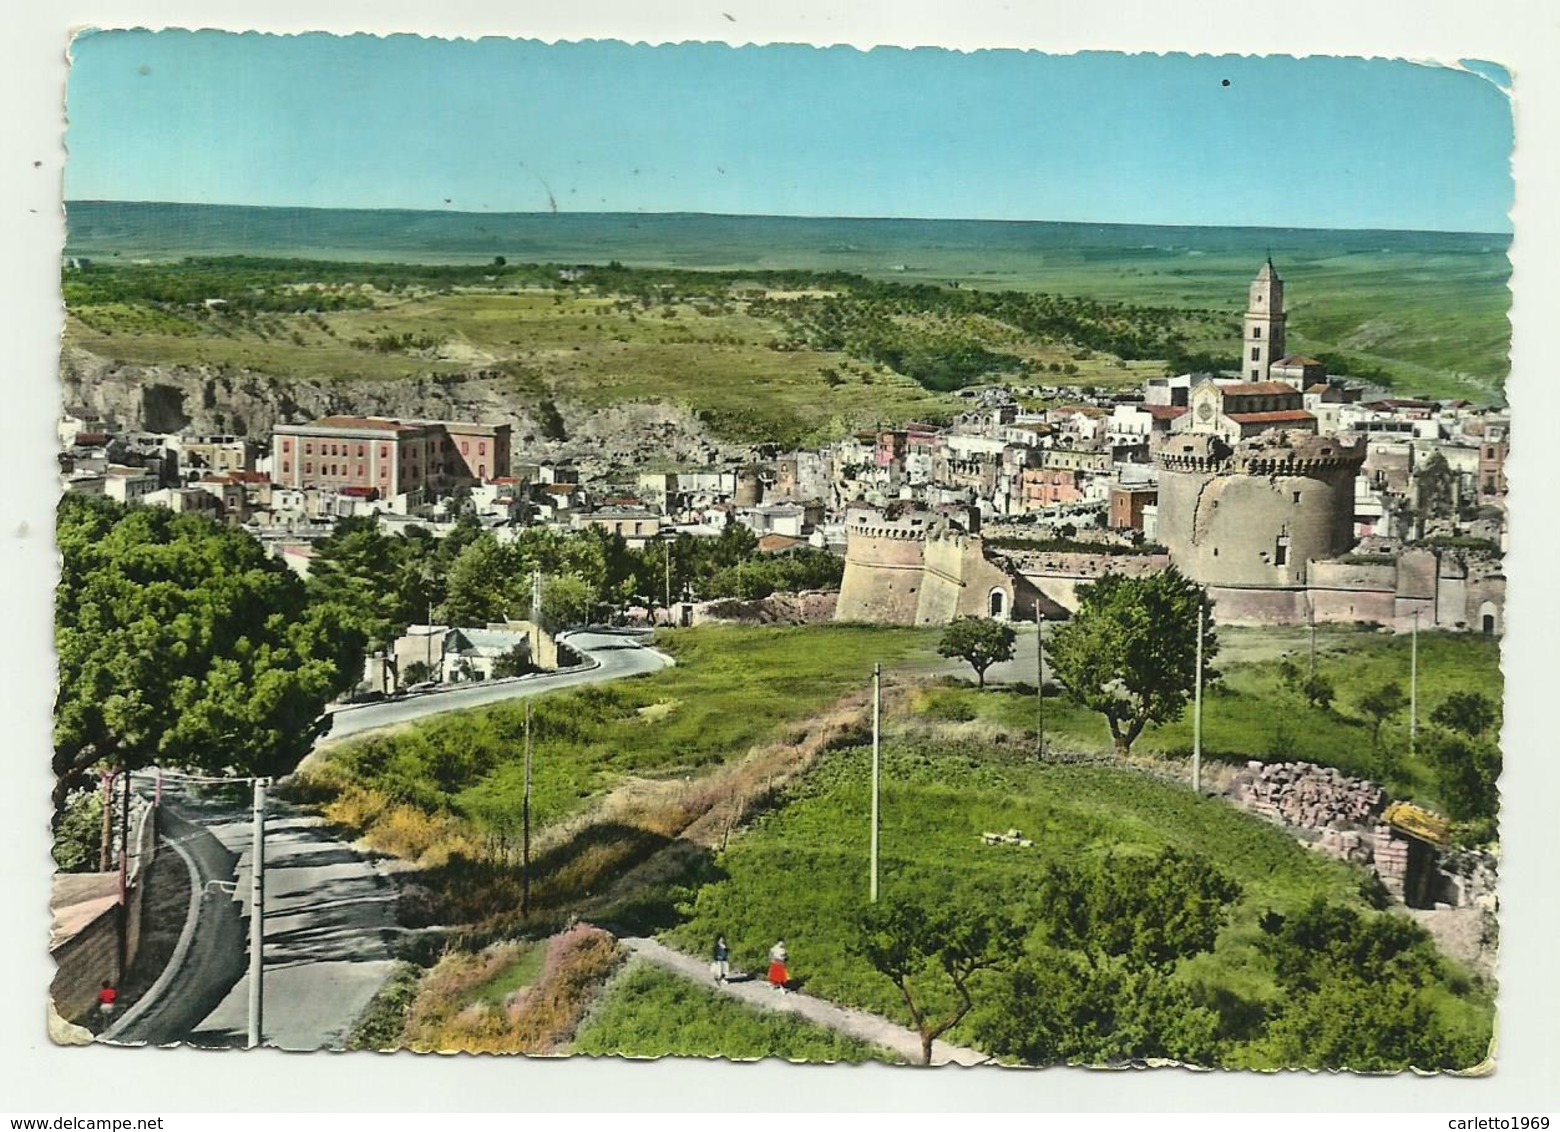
x,y
1341,817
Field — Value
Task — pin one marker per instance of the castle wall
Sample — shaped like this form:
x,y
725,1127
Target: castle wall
x,y
1247,530
1234,605
882,580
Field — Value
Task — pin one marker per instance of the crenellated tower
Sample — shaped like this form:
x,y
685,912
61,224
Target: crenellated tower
x,y
1264,339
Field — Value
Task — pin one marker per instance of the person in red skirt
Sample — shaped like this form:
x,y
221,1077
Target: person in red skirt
x,y
779,976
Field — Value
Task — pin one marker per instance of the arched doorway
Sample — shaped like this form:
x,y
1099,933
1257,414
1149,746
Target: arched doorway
x,y
1489,619
996,605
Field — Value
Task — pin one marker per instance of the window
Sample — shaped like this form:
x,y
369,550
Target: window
x,y
384,451
1254,375
308,469
1297,497
482,470
1256,353
465,447
308,449
360,471
286,446
360,451
1256,332
1281,551
481,448
286,466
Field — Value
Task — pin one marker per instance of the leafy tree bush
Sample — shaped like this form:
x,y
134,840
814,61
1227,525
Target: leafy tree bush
x,y
78,840
182,642
979,642
1471,713
1358,993
931,950
1130,651
1467,771
1380,704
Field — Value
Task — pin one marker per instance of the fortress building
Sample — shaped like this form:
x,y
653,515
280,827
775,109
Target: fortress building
x,y
1255,513
920,568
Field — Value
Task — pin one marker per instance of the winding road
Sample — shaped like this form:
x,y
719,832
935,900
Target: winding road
x,y
330,924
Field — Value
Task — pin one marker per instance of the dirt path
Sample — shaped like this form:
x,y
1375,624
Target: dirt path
x,y
757,993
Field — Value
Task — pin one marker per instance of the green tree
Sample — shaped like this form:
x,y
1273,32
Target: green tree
x,y
182,642
567,600
979,642
1358,993
931,950
1380,704
1130,651
1471,713
1467,771
515,662
1098,982
1434,487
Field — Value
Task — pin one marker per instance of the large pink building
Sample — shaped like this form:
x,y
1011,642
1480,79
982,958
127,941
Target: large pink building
x,y
390,456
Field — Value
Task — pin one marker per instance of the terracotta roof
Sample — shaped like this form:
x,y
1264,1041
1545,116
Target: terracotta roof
x,y
1319,387
560,488
91,439
249,477
773,543
1256,388
1272,418
1297,360
1165,412
377,424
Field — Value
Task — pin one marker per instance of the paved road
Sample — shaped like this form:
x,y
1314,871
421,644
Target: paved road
x,y
329,930
614,656
845,1020
214,959
330,914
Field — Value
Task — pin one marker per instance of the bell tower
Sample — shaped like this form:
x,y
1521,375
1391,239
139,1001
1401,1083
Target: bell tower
x,y
1264,339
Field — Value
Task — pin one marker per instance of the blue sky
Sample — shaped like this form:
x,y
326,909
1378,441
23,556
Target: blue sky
x,y
520,126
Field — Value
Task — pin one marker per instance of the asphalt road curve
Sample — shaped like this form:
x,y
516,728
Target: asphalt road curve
x,y
614,656
215,959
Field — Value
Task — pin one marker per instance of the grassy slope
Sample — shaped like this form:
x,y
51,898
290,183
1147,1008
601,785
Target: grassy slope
x,y
651,1013
802,874
582,349
730,689
1252,716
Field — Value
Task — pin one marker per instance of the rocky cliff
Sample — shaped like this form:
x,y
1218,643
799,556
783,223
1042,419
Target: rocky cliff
x,y
210,400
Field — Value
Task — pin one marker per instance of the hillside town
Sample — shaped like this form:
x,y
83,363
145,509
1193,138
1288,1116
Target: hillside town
x,y
1295,495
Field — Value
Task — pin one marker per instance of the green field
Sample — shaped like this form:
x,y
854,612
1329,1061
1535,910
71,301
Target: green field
x,y
704,312
801,874
1249,714
651,1013
957,764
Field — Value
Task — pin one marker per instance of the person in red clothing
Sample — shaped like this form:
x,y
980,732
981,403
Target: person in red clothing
x,y
107,999
779,975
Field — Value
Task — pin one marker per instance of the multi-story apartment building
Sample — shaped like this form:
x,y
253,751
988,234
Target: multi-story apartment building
x,y
389,456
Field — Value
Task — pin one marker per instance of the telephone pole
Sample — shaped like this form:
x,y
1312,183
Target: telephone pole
x,y
1039,681
668,581
1202,613
257,915
1413,687
877,729
525,821
124,876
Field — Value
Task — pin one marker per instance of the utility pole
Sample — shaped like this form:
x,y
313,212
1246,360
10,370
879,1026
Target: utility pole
x,y
525,821
124,876
257,915
1202,613
877,730
668,581
1311,618
1039,681
1413,687
429,663
106,842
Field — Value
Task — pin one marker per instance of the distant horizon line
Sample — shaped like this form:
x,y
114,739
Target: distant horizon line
x,y
782,216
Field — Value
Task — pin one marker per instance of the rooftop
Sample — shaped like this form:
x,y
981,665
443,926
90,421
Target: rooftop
x,y
1257,389
1276,417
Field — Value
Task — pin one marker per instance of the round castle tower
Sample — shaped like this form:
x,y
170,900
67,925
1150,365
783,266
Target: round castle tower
x,y
1257,513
